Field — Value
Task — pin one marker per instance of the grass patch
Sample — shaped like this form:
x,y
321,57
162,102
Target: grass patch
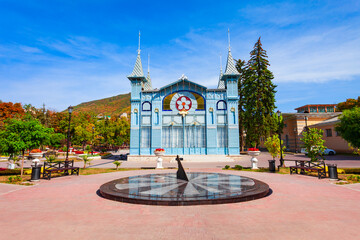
x,y
15,179
348,179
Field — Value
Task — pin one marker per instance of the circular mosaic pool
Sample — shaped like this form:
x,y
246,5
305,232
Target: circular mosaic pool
x,y
202,188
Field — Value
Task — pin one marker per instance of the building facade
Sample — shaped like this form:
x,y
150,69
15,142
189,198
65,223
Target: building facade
x,y
295,125
317,108
184,117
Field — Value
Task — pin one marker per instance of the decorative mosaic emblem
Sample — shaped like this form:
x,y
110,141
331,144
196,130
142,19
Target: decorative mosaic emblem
x,y
183,103
201,188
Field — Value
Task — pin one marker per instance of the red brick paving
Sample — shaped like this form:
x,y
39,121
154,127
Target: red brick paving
x,y
300,207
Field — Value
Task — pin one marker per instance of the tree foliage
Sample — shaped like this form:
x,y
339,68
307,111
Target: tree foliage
x,y
10,110
86,128
314,143
258,92
241,67
272,144
348,104
349,126
21,135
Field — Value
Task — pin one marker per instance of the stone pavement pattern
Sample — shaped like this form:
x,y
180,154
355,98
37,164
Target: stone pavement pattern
x,y
300,207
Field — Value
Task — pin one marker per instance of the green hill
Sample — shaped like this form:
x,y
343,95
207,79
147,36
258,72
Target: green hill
x,y
106,106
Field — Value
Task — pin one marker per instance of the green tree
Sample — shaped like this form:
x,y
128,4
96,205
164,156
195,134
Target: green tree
x,y
348,104
349,126
272,144
241,67
21,135
314,143
259,95
86,159
56,140
117,164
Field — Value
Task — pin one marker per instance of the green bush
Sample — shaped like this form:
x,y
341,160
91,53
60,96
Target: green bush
x,y
50,158
227,167
238,167
13,179
117,164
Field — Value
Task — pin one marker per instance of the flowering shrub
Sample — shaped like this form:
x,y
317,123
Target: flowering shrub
x,y
159,150
36,151
253,149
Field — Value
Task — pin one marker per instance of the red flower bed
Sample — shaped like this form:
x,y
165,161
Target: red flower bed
x,y
79,152
36,151
253,149
3,169
159,150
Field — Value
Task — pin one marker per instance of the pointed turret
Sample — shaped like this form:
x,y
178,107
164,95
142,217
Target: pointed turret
x,y
230,65
221,83
137,72
230,71
147,84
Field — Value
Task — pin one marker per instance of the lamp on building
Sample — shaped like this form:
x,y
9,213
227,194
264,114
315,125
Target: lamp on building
x,y
70,109
281,155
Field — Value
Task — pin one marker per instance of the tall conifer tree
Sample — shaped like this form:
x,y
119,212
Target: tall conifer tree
x,y
240,66
259,96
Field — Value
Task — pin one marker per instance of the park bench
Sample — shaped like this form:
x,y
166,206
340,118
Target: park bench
x,y
61,166
305,165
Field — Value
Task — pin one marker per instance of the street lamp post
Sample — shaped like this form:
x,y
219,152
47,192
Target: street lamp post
x,y
306,120
92,147
295,133
70,109
281,154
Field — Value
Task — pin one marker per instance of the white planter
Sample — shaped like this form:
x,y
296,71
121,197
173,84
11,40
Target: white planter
x,y
157,153
253,160
159,159
11,166
36,155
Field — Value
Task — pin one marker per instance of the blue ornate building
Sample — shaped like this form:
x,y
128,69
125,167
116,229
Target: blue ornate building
x,y
184,117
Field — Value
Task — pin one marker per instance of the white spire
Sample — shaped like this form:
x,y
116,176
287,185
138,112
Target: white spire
x,y
138,70
139,44
221,83
148,84
229,37
230,66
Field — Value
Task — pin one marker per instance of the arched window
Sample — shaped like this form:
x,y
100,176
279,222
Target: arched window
x,y
146,106
221,105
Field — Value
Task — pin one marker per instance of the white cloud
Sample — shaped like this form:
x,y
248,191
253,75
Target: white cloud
x,y
317,57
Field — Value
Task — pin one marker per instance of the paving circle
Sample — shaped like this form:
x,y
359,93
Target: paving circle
x,y
202,188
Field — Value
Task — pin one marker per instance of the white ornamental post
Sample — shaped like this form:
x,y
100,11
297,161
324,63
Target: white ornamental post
x,y
253,160
159,152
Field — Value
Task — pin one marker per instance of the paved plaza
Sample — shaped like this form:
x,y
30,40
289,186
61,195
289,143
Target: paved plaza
x,y
299,207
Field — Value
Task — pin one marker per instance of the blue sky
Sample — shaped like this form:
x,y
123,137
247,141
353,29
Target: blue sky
x,y
63,53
